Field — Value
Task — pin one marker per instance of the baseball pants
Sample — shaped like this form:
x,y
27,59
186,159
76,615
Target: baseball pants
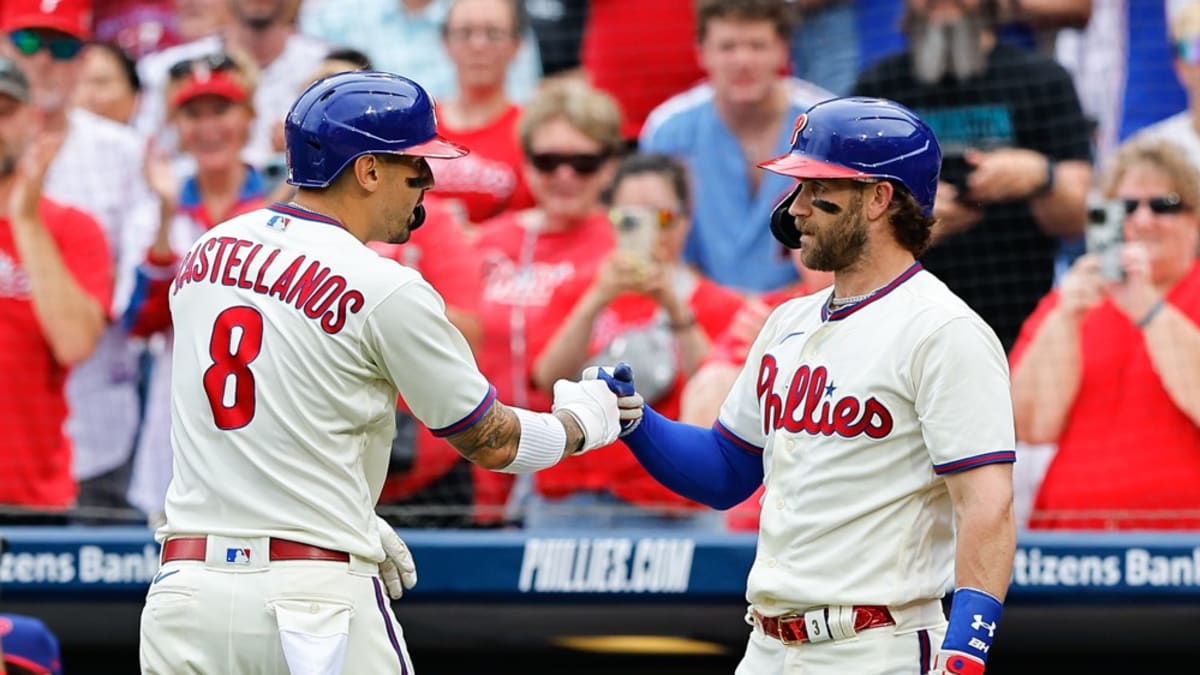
x,y
295,617
903,649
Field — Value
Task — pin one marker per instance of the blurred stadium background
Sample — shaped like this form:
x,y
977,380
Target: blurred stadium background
x,y
495,599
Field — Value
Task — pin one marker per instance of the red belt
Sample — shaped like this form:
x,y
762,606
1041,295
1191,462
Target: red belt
x,y
193,548
790,628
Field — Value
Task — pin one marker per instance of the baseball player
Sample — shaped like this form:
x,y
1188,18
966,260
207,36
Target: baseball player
x,y
292,342
877,417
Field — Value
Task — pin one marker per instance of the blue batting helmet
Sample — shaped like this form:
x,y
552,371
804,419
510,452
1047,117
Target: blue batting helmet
x,y
347,115
871,138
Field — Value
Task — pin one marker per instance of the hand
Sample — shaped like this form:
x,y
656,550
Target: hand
x,y
1082,287
397,570
160,176
956,663
952,213
621,273
35,161
594,408
620,382
1136,295
1005,175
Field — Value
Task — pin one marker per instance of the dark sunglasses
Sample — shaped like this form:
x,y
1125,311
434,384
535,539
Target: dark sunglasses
x,y
584,165
30,42
211,63
1164,205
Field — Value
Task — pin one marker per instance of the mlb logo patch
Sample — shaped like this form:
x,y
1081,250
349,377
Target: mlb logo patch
x,y
279,223
239,556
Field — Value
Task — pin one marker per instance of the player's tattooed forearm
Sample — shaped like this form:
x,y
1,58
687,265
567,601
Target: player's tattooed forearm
x,y
574,431
492,439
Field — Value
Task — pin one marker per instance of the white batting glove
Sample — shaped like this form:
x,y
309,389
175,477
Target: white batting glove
x,y
594,407
397,570
619,379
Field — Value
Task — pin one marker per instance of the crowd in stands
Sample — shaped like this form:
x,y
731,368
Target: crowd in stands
x,y
610,210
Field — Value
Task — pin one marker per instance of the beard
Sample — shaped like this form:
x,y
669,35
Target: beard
x,y
939,49
840,244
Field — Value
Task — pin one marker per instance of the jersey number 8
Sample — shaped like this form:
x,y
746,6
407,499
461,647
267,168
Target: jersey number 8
x,y
229,382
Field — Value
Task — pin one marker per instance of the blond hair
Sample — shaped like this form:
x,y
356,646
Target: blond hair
x,y
594,113
1186,22
1160,154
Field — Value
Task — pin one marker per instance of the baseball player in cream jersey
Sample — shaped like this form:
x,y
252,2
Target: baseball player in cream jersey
x,y
877,415
292,341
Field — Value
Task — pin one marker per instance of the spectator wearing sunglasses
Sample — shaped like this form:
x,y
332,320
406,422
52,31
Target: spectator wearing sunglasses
x,y
99,171
1106,367
481,38
643,306
109,85
208,103
265,33
55,286
569,134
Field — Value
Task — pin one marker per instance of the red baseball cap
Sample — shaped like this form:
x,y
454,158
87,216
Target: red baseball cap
x,y
203,82
73,17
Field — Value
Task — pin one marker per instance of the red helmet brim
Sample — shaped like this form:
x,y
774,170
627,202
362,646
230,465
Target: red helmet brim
x,y
437,148
800,166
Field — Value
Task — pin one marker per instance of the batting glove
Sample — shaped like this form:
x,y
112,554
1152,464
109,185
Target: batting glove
x,y
397,570
593,406
619,379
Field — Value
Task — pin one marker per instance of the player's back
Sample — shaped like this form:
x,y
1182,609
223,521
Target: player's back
x,y
282,412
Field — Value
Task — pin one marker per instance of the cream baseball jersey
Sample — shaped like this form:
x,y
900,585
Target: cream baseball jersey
x,y
857,414
292,340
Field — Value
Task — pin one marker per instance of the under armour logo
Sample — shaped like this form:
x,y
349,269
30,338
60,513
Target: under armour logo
x,y
48,6
980,623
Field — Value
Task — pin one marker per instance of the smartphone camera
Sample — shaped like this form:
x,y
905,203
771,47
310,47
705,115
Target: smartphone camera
x,y
637,231
1105,236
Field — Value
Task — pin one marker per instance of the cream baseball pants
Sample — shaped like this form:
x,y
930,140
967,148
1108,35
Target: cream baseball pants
x,y
229,616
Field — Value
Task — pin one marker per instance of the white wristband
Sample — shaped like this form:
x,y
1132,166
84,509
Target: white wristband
x,y
543,442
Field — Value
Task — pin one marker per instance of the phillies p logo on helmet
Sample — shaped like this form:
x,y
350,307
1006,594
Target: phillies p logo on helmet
x,y
801,121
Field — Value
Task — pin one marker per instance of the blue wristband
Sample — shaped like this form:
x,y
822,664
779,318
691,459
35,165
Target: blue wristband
x,y
974,616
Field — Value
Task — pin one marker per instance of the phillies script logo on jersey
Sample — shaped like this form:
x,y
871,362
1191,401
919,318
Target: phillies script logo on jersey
x,y
811,408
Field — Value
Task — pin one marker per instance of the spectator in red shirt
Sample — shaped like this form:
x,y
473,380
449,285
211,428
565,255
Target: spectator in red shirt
x,y
1106,366
644,307
570,135
481,38
55,287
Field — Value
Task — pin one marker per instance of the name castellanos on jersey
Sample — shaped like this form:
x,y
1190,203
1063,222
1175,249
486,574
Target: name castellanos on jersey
x,y
306,284
810,406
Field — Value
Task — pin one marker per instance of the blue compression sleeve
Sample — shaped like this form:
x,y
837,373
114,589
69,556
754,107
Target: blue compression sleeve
x,y
700,464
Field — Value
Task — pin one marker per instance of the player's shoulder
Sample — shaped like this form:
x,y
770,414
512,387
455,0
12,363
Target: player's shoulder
x,y
930,305
797,308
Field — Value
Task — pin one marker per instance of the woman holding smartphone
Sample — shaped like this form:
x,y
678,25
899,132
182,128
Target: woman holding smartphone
x,y
646,307
1106,367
